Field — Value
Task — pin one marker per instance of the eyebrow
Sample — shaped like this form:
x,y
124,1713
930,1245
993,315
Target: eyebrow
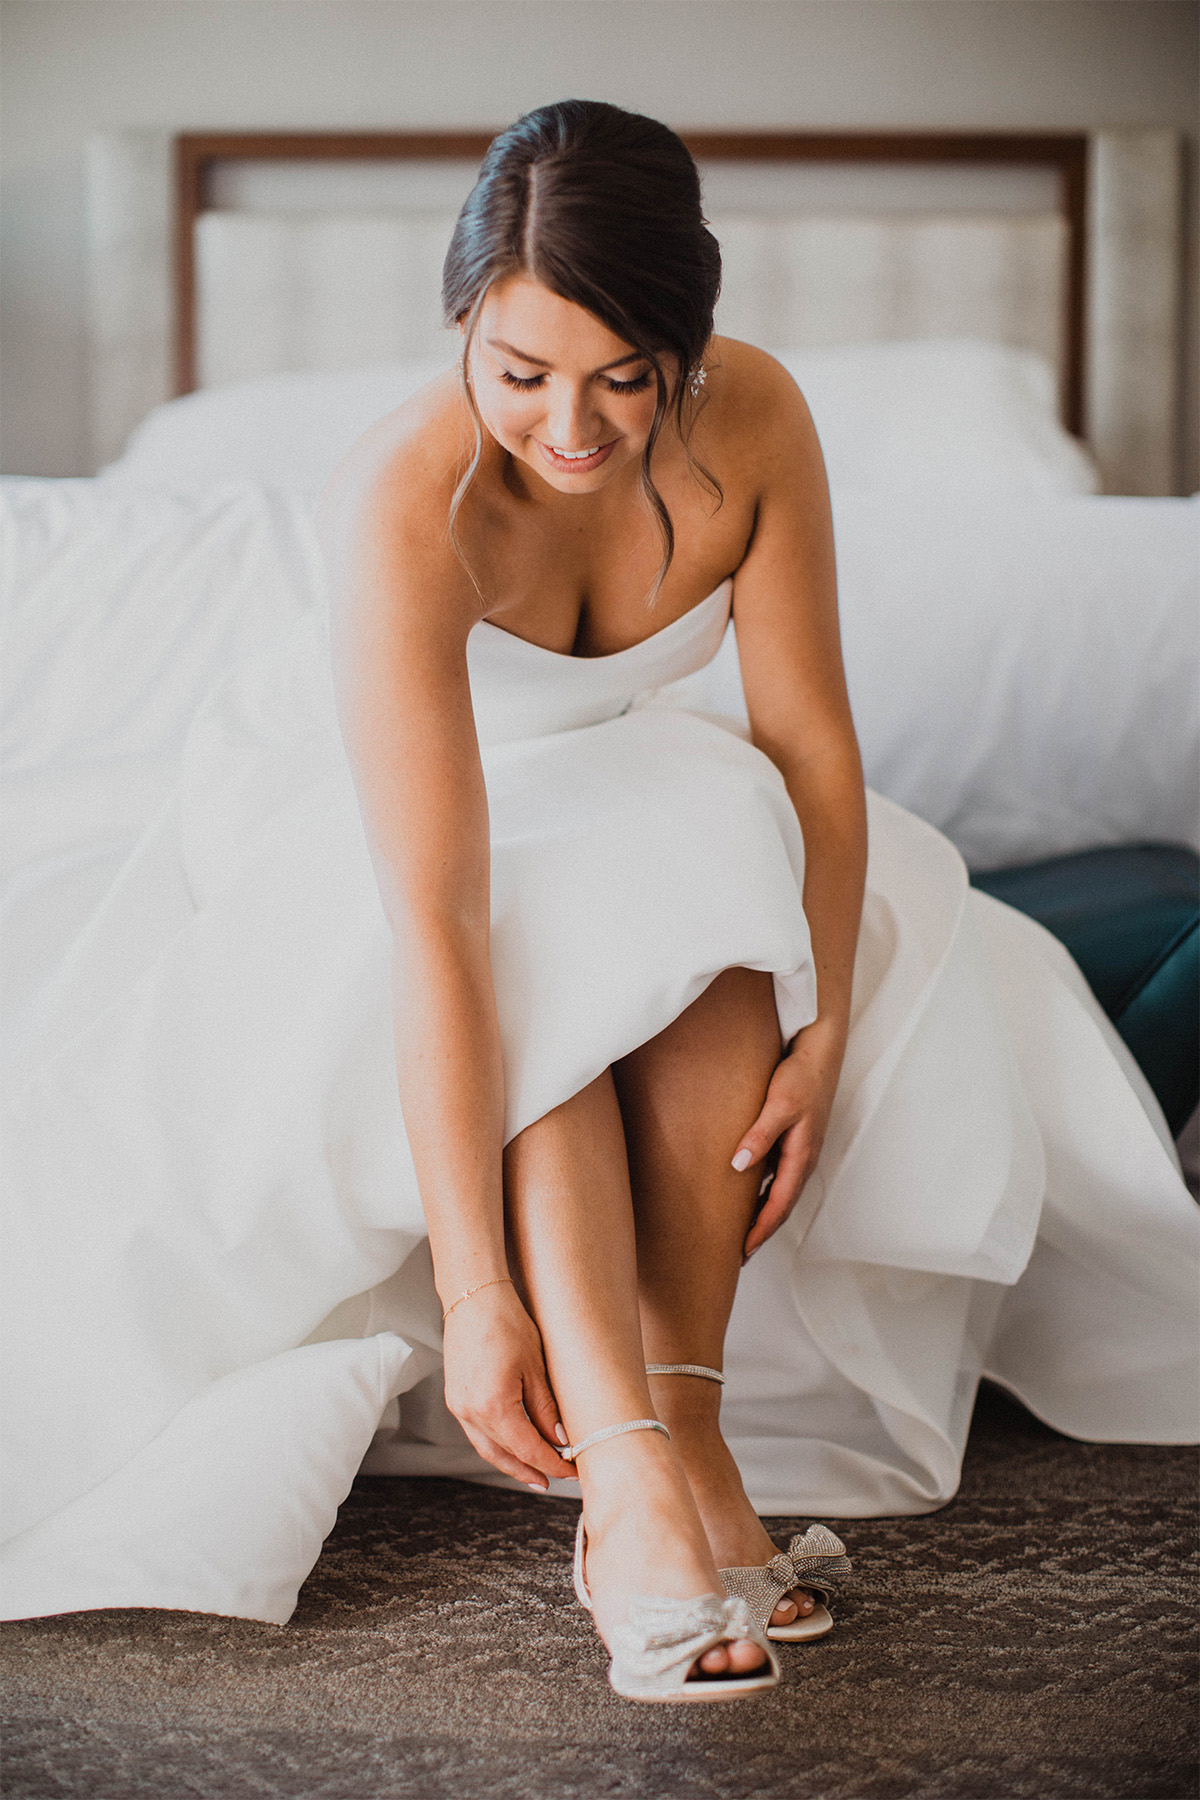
x,y
618,362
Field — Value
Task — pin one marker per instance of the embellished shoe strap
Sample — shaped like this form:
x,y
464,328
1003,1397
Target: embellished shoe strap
x,y
686,1369
610,1431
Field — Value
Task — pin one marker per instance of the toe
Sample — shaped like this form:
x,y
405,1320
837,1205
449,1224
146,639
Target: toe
x,y
715,1662
740,1658
745,1657
796,1605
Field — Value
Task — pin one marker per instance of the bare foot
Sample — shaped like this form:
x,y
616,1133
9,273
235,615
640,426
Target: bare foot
x,y
644,1536
689,1407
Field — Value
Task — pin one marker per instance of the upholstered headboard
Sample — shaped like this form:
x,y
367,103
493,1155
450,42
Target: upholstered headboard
x,y
225,255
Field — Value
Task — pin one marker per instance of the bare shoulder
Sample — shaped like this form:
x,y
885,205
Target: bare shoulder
x,y
386,507
757,418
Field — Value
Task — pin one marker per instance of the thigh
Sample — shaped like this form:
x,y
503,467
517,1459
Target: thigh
x,y
691,1092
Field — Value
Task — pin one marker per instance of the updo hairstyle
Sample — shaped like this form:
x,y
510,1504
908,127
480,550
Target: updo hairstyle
x,y
603,208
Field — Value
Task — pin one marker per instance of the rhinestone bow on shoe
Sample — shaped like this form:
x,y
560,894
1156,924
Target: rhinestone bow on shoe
x,y
811,1560
653,1653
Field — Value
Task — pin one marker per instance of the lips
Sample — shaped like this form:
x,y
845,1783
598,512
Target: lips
x,y
576,465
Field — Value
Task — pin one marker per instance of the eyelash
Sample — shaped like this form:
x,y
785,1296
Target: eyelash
x,y
525,384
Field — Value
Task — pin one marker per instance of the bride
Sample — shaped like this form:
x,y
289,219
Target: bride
x,y
708,1066
623,468
626,465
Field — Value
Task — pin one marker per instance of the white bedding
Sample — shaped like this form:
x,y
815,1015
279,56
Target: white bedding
x,y
118,611
1022,673
248,1299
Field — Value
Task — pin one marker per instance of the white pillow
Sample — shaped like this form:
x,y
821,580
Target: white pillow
x,y
285,431
952,413
939,414
290,1430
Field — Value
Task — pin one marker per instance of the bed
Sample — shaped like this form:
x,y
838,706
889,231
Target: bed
x,y
994,387
986,329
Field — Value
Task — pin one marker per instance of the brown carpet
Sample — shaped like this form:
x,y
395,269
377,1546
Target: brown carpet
x,y
1035,1638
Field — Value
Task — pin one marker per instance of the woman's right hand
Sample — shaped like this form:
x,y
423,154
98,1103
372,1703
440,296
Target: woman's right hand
x,y
497,1387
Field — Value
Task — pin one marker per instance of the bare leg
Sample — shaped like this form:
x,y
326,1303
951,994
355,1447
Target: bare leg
x,y
570,1220
686,1098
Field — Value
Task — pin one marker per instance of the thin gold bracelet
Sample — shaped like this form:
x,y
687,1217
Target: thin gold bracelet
x,y
496,1281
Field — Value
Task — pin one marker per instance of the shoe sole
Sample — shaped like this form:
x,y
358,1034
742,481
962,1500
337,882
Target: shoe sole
x,y
815,1625
694,1693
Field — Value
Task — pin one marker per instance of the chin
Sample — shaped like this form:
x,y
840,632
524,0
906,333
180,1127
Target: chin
x,y
574,484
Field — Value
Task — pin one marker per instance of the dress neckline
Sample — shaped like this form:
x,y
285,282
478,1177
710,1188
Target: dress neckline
x,y
612,655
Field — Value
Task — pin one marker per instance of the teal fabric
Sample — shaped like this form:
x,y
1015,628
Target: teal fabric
x,y
1130,917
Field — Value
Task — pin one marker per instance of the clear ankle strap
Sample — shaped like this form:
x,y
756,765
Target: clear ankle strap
x,y
686,1369
573,1450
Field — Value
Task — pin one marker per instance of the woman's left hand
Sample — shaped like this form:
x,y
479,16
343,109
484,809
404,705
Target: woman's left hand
x,y
794,1117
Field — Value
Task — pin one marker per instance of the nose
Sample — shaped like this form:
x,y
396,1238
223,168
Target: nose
x,y
570,418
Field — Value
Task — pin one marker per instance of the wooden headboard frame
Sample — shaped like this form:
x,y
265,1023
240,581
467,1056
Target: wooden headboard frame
x,y
197,154
1121,201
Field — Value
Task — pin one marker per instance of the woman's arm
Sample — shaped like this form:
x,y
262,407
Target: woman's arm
x,y
785,607
402,608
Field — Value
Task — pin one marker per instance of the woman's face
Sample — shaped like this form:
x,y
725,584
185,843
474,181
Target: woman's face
x,y
558,390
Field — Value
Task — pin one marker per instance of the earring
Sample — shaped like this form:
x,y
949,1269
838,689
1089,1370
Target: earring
x,y
696,380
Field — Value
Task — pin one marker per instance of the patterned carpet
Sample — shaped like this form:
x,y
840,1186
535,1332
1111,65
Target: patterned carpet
x,y
1035,1638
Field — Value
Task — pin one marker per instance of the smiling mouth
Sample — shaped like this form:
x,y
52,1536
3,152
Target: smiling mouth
x,y
576,462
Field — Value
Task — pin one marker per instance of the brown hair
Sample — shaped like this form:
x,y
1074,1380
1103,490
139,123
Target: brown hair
x,y
603,208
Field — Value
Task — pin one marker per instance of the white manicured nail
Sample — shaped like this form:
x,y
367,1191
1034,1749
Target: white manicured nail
x,y
561,1435
539,1487
742,1160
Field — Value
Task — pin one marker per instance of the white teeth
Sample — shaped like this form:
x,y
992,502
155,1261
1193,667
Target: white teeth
x,y
573,455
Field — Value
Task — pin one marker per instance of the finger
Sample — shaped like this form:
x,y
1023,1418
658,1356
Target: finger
x,y
786,1190
796,1158
765,1226
774,1119
500,1459
542,1407
795,1165
772,1216
521,1438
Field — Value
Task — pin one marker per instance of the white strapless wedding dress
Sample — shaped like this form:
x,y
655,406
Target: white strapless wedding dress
x,y
219,1288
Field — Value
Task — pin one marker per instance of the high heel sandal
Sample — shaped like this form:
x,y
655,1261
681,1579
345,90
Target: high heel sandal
x,y
653,1652
810,1560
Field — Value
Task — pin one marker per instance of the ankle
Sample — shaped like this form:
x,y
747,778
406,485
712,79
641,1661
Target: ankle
x,y
632,1474
710,1468
693,1413
693,1419
628,1455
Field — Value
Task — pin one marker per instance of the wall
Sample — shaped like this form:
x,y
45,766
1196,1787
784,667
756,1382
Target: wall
x,y
74,66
